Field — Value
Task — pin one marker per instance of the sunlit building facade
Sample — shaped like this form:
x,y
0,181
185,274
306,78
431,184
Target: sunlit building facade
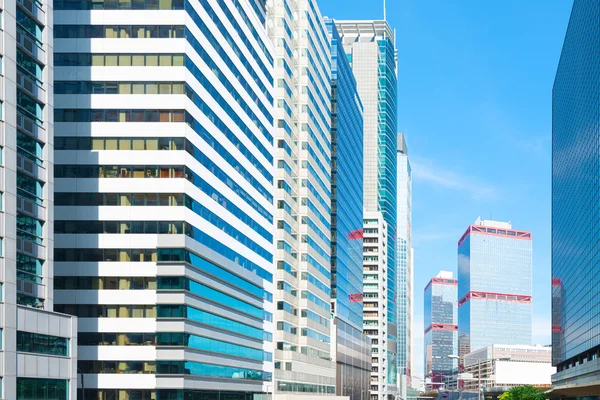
x,y
494,286
371,50
303,355
164,195
575,204
440,329
352,348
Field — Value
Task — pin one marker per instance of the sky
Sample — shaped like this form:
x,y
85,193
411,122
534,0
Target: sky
x,y
475,103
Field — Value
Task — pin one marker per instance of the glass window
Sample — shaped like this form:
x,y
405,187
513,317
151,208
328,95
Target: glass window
x,y
42,389
42,344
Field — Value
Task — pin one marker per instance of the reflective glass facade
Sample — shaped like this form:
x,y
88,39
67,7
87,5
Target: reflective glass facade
x,y
494,286
440,329
575,196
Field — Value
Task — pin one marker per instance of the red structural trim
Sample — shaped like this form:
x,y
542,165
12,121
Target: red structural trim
x,y
355,297
556,282
441,281
356,234
485,230
556,328
510,298
441,327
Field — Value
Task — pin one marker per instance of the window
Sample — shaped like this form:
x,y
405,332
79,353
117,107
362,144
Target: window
x,y
42,344
42,389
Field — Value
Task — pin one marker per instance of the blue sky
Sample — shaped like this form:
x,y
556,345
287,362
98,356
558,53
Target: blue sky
x,y
475,86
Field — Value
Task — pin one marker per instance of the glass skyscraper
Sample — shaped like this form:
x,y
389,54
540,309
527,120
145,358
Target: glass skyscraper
x,y
494,286
440,329
575,204
164,195
353,353
371,49
404,259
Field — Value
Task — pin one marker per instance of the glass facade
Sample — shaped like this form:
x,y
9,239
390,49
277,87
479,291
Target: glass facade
x,y
42,344
440,329
494,286
42,389
575,218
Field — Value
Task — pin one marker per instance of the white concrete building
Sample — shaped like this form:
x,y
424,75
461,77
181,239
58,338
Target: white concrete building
x,y
164,195
303,348
38,358
375,286
506,366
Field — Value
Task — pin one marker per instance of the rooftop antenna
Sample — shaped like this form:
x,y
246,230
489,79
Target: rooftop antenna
x,y
384,11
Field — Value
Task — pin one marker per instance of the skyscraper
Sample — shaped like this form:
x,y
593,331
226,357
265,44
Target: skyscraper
x,y
39,351
494,286
440,329
575,219
404,261
353,350
371,49
303,196
164,195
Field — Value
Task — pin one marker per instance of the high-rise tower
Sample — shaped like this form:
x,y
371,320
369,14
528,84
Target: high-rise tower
x,y
494,286
370,46
575,204
164,195
39,346
303,355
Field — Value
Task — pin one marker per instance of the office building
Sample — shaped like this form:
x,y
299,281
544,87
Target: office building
x,y
164,195
575,219
404,260
375,287
499,367
39,346
440,329
370,46
352,351
494,286
303,355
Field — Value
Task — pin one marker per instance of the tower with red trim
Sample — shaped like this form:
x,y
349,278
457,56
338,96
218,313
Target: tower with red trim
x,y
494,286
440,329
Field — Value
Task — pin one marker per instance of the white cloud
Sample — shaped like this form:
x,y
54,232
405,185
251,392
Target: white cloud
x,y
442,177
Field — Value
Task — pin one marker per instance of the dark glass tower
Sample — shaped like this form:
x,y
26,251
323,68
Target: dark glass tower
x,y
576,202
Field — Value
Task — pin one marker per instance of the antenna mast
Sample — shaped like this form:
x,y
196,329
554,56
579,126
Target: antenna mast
x,y
384,11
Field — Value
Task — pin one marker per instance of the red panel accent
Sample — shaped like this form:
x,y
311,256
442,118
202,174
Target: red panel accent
x,y
355,297
556,282
441,281
556,328
355,235
489,231
510,298
441,327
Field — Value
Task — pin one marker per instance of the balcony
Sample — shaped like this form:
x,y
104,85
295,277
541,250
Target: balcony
x,y
30,248
29,126
34,8
31,47
31,208
28,166
31,87
30,288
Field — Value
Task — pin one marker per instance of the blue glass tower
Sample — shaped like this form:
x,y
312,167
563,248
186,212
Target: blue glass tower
x,y
575,203
353,353
494,286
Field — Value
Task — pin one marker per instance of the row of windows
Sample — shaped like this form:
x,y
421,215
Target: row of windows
x,y
111,115
119,4
101,255
212,320
118,31
42,389
121,199
107,311
212,345
117,367
118,394
114,143
82,87
120,227
118,60
210,370
42,344
103,283
115,339
121,171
